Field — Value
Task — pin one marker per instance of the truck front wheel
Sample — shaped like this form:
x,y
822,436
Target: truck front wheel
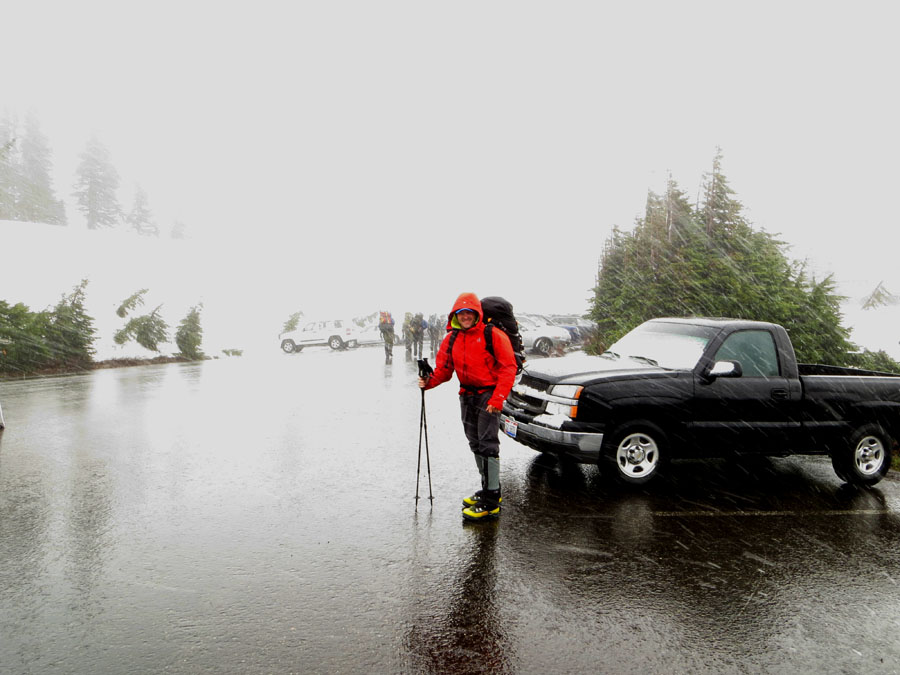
x,y
638,450
867,457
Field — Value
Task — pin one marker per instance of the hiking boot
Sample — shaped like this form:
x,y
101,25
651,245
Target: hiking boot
x,y
474,499
482,511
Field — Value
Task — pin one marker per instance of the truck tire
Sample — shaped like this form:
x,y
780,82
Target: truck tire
x,y
866,458
288,347
335,342
637,450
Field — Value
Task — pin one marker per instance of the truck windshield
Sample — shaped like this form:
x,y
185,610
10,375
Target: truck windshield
x,y
676,346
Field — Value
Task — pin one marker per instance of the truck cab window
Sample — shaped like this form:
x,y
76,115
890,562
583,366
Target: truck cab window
x,y
754,349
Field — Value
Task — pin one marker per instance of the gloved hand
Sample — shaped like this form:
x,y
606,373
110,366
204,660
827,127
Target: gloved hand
x,y
425,370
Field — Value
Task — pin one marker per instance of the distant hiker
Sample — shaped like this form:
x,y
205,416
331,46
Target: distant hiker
x,y
486,381
407,335
386,326
417,328
436,332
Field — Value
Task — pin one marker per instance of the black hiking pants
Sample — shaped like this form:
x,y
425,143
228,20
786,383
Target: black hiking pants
x,y
481,427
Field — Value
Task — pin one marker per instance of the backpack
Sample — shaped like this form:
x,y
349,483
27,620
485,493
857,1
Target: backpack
x,y
498,313
386,323
417,326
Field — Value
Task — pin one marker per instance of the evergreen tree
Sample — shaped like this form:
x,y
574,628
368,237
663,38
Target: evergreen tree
x,y
638,268
292,322
70,331
720,212
37,201
130,303
711,262
879,361
96,185
23,348
880,297
189,334
141,219
148,331
9,178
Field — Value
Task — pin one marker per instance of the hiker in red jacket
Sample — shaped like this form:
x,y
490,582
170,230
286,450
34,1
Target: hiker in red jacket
x,y
485,380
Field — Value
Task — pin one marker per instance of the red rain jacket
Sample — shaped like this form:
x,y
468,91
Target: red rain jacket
x,y
473,363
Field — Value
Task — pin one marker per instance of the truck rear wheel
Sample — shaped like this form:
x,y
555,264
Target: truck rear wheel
x,y
638,451
867,457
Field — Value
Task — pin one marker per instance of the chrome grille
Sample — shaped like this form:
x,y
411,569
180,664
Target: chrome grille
x,y
534,383
527,393
530,405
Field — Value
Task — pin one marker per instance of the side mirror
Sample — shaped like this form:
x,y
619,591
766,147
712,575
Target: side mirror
x,y
725,369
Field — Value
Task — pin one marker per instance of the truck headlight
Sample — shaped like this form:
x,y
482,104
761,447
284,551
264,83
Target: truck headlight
x,y
565,400
566,390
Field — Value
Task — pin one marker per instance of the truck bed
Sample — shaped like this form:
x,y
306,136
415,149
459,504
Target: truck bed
x,y
819,369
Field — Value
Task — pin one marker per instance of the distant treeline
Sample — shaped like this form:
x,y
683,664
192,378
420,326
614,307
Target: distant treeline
x,y
58,338
26,188
61,339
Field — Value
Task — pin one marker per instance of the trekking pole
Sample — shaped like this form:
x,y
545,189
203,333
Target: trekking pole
x,y
425,371
427,456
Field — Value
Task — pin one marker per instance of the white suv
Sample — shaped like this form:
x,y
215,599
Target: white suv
x,y
337,334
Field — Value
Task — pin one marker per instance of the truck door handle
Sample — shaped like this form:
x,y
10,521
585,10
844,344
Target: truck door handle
x,y
779,394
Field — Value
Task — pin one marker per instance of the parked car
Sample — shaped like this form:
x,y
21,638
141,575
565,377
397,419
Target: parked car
x,y
336,333
540,336
369,334
676,388
580,329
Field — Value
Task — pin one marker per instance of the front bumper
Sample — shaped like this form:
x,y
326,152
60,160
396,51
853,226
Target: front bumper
x,y
581,446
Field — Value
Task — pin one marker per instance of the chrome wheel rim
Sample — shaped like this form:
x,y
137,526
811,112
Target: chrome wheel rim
x,y
637,455
870,455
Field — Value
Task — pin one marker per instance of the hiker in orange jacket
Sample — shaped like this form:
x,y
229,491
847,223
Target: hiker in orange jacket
x,y
485,381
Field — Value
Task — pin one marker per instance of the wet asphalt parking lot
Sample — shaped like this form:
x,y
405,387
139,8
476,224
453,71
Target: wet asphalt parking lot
x,y
257,515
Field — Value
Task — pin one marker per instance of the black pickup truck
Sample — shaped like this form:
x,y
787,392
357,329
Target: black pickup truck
x,y
677,388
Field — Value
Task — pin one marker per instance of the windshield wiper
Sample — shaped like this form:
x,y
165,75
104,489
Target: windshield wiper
x,y
645,359
610,355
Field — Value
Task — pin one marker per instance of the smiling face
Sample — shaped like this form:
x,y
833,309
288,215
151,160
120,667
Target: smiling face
x,y
466,318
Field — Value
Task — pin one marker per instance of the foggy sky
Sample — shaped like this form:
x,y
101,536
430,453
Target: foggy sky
x,y
343,152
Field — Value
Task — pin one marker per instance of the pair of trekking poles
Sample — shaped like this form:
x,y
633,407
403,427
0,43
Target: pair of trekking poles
x,y
425,371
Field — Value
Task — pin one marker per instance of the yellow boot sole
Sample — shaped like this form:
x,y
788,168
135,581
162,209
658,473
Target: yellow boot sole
x,y
477,513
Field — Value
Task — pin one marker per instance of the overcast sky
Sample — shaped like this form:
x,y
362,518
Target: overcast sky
x,y
421,149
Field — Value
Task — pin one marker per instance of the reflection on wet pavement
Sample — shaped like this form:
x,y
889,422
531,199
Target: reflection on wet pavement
x,y
259,516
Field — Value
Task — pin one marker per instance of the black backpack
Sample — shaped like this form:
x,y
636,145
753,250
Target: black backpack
x,y
497,311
